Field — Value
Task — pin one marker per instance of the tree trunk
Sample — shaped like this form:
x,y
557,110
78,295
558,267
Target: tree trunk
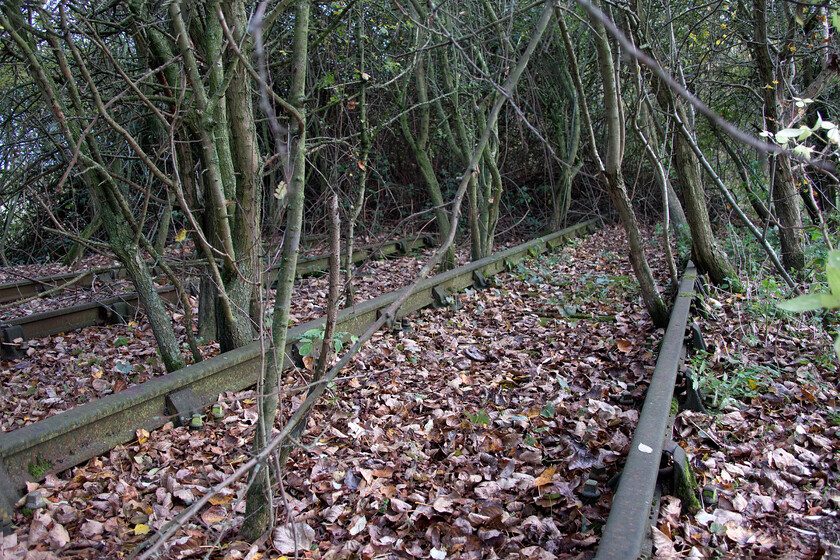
x,y
259,511
419,147
163,226
121,241
706,252
785,193
358,199
243,287
611,171
567,133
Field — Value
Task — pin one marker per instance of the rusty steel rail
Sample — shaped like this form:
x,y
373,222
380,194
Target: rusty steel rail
x,y
319,263
628,523
118,309
13,291
121,308
93,428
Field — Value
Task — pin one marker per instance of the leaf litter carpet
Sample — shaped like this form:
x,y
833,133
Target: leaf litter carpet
x,y
68,369
468,435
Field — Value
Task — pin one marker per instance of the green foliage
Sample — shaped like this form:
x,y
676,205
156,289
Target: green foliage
x,y
548,411
817,301
798,136
313,336
740,382
480,418
121,341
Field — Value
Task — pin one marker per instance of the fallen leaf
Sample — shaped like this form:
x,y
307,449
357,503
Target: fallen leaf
x,y
220,499
91,528
475,354
293,537
444,504
214,515
59,537
664,546
358,525
545,478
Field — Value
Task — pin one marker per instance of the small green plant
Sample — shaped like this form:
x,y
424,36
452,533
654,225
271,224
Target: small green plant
x,y
548,411
314,336
742,382
333,396
480,418
39,468
817,301
121,341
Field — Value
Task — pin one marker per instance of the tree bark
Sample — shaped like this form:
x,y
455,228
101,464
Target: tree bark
x,y
259,511
71,120
785,194
419,146
610,166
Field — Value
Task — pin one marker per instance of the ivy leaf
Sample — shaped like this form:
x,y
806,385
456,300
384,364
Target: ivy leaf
x,y
306,349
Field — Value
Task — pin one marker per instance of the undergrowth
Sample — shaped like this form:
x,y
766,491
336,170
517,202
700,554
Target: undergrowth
x,y
734,372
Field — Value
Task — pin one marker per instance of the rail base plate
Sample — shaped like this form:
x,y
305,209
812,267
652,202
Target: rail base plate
x,y
8,498
182,405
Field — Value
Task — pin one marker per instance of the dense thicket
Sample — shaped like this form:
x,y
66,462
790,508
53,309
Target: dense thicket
x,y
126,123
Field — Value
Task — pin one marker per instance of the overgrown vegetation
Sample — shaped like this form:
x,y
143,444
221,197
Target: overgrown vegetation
x,y
206,133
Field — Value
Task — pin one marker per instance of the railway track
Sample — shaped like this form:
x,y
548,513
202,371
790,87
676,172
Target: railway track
x,y
635,505
14,332
91,429
56,283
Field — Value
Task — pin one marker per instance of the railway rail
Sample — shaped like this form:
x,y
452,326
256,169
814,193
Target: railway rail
x,y
119,309
636,502
84,432
13,291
